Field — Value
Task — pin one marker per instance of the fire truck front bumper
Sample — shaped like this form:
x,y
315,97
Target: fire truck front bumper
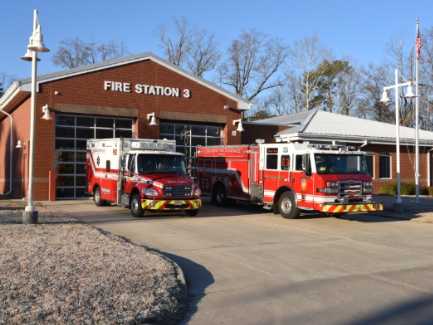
x,y
351,208
171,205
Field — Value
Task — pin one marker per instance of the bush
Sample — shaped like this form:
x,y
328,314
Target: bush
x,y
429,190
387,189
407,189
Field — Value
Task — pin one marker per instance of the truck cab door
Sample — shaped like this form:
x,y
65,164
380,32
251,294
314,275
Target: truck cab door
x,y
303,180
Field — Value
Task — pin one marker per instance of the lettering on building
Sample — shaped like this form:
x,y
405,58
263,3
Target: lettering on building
x,y
145,89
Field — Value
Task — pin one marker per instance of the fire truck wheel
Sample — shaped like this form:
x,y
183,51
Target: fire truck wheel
x,y
97,197
136,209
287,205
191,213
219,195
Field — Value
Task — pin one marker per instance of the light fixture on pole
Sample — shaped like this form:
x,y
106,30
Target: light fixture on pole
x,y
36,44
151,118
28,56
409,92
240,127
385,99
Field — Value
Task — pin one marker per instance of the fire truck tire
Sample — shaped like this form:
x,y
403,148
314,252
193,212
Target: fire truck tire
x,y
191,213
135,207
97,197
219,196
287,205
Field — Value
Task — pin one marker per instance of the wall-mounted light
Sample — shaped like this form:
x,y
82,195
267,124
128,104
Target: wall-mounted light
x,y
151,118
226,107
46,113
239,128
19,144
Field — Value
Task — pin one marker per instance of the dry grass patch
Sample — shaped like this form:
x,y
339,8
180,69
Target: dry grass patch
x,y
72,273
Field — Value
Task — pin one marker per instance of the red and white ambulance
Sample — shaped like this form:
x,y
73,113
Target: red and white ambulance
x,y
288,177
142,174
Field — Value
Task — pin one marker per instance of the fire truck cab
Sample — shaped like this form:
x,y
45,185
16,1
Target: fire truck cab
x,y
288,177
142,174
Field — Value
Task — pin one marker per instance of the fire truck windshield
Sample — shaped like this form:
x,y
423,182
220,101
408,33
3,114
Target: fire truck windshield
x,y
161,164
341,164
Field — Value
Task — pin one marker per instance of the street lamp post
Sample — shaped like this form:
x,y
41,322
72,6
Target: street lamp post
x,y
36,44
385,99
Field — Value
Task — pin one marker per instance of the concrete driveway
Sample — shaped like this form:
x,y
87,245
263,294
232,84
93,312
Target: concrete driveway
x,y
246,266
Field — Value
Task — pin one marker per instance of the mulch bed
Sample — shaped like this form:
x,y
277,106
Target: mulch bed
x,y
72,273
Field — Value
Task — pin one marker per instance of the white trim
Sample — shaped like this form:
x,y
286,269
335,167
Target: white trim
x,y
429,162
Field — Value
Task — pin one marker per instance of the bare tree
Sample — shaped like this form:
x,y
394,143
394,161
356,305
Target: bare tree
x,y
188,47
73,53
373,79
304,57
252,64
203,55
5,81
176,47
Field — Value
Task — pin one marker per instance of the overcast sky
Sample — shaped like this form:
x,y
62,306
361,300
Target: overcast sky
x,y
356,29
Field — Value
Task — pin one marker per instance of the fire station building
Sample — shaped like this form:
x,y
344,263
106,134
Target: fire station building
x,y
375,137
138,96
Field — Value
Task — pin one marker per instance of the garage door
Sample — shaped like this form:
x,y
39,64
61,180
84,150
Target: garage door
x,y
72,131
190,135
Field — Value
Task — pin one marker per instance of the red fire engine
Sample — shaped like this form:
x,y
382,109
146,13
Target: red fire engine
x,y
288,177
142,174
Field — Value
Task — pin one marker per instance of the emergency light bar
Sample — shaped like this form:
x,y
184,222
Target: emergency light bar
x,y
150,144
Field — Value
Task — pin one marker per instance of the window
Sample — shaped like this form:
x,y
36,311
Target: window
x,y
107,165
384,166
303,163
369,162
299,162
272,158
285,162
131,163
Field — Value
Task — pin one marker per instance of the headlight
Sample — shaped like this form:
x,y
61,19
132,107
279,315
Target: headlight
x,y
331,188
150,192
367,187
196,190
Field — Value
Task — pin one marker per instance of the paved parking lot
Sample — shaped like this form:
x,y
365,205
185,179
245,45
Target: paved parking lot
x,y
246,266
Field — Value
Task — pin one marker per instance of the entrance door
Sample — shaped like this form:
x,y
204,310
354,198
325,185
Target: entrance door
x,y
72,132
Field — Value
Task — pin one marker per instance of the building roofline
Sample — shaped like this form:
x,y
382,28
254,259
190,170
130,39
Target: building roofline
x,y
353,138
24,84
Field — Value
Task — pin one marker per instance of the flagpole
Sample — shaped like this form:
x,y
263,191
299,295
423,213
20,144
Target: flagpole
x,y
418,51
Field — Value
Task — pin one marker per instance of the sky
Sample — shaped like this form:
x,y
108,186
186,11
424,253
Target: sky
x,y
359,30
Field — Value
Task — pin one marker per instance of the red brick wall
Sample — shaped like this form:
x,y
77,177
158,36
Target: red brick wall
x,y
407,164
88,89
254,131
20,132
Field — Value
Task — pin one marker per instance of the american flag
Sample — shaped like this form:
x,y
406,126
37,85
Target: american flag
x,y
418,44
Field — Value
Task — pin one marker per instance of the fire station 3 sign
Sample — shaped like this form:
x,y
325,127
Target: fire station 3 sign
x,y
153,90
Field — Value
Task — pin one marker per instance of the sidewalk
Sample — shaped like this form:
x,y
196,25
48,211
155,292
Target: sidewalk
x,y
421,211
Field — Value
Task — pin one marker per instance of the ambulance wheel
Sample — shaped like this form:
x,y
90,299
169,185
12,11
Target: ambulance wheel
x,y
135,207
219,196
191,213
287,205
97,197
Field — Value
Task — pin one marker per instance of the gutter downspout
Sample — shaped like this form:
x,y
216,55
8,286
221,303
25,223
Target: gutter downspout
x,y
11,144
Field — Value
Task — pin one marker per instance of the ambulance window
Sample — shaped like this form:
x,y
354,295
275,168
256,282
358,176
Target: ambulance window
x,y
285,162
107,165
272,158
